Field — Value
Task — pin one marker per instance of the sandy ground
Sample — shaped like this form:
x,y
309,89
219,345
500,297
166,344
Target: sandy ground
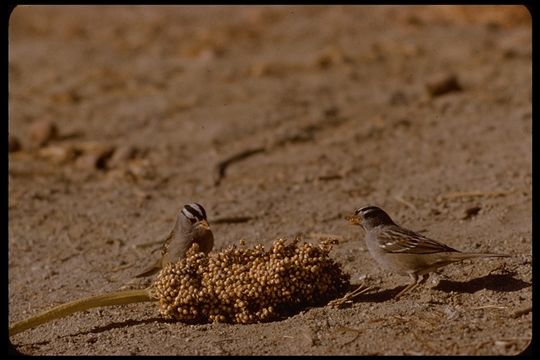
x,y
423,111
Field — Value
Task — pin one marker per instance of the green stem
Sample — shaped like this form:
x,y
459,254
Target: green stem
x,y
114,298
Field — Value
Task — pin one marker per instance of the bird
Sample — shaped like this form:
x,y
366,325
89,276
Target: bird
x,y
404,251
191,227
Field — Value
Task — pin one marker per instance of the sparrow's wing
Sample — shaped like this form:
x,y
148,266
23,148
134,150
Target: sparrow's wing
x,y
395,239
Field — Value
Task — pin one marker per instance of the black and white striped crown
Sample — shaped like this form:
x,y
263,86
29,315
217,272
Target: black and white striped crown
x,y
373,212
368,211
194,212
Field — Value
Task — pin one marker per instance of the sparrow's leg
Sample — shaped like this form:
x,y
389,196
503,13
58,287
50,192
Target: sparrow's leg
x,y
348,297
362,288
415,281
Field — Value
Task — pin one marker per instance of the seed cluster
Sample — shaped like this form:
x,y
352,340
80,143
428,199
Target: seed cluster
x,y
248,285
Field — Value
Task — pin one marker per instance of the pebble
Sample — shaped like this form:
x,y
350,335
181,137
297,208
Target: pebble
x,y
95,155
14,143
88,162
58,154
443,83
42,132
329,57
471,212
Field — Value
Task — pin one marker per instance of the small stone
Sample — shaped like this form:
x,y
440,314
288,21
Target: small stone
x,y
441,84
14,143
87,161
471,212
58,154
503,344
95,155
43,131
329,57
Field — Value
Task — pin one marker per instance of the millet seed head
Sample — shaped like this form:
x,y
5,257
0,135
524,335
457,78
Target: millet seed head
x,y
247,285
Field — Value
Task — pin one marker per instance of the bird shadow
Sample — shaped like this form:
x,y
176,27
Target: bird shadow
x,y
495,282
122,324
378,296
128,323
110,326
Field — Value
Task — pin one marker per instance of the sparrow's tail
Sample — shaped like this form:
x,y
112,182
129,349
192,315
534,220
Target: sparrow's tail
x,y
463,256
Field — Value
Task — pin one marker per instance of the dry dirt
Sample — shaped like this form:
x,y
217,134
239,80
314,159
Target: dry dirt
x,y
337,107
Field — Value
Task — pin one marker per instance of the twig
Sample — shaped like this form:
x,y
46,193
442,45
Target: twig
x,y
505,343
222,165
523,311
348,329
488,307
515,339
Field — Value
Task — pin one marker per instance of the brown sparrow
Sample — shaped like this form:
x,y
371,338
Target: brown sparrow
x,y
403,251
191,227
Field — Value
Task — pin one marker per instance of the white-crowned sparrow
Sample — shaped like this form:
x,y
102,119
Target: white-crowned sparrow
x,y
404,251
191,227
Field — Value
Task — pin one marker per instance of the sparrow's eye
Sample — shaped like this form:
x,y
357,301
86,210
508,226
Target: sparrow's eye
x,y
192,220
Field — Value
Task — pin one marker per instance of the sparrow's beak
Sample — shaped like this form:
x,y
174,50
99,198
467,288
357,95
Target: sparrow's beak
x,y
353,220
203,225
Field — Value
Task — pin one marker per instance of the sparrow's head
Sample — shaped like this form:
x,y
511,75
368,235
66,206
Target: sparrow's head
x,y
195,215
369,217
